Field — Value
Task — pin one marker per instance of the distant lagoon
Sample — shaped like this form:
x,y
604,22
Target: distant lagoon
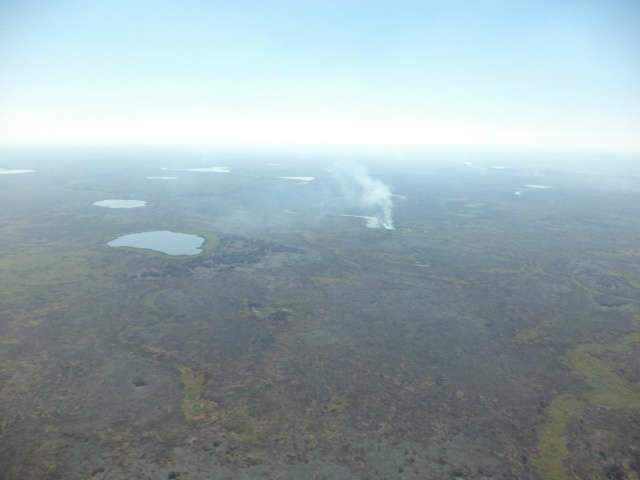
x,y
213,169
163,241
15,171
120,203
299,180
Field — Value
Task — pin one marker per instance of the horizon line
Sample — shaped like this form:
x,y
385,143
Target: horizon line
x,y
462,148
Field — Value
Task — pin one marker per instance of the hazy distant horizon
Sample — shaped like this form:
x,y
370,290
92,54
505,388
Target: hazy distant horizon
x,y
310,160
376,149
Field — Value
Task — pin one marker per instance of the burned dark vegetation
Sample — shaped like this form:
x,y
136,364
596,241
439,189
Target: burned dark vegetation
x,y
488,336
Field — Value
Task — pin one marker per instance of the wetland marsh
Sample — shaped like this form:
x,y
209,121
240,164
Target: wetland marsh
x,y
484,337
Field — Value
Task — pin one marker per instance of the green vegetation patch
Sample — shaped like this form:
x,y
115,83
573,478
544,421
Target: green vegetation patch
x,y
211,241
194,407
337,404
607,390
552,439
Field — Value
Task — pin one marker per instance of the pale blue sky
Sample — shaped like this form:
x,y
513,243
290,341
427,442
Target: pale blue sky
x,y
544,74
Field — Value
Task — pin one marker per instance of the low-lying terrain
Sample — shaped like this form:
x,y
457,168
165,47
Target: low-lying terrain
x,y
489,336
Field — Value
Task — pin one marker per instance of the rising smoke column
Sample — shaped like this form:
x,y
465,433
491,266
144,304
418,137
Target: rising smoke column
x,y
367,192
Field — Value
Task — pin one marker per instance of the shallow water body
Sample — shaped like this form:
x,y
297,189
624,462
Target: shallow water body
x,y
163,241
120,203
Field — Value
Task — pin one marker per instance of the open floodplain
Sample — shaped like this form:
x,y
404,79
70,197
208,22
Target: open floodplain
x,y
484,335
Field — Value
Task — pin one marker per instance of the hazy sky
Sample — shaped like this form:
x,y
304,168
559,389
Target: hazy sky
x,y
551,74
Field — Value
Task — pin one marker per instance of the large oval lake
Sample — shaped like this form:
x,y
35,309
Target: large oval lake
x,y
164,241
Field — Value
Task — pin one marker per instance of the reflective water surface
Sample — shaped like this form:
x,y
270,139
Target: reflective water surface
x,y
164,241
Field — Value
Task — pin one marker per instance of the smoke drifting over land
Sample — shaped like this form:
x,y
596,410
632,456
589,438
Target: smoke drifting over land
x,y
367,193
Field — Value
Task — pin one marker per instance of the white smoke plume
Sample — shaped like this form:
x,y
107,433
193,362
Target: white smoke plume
x,y
367,193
